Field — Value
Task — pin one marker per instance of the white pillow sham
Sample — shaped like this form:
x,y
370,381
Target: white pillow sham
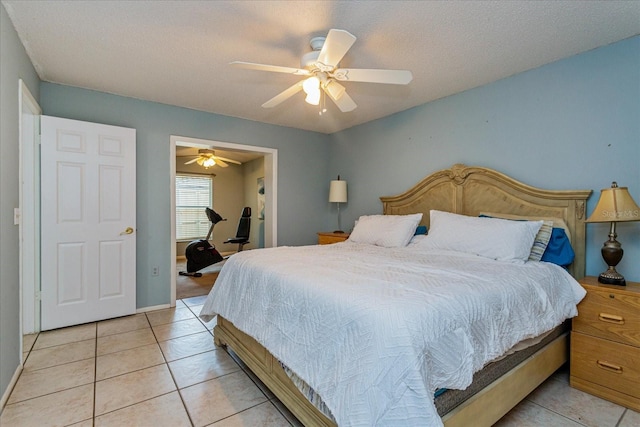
x,y
542,238
557,222
390,231
494,238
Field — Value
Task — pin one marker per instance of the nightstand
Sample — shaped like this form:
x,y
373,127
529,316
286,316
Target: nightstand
x,y
605,343
325,238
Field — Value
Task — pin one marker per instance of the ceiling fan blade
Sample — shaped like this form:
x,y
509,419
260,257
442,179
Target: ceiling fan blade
x,y
336,45
394,77
191,161
273,68
220,162
342,100
283,96
229,160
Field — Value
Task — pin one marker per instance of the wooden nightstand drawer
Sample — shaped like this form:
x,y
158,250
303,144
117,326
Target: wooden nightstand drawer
x,y
328,238
605,343
610,365
610,314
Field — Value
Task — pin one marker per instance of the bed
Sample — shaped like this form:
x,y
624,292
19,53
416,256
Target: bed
x,y
470,191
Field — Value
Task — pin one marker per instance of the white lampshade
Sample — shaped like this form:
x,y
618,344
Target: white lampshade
x,y
311,85
338,191
313,98
208,163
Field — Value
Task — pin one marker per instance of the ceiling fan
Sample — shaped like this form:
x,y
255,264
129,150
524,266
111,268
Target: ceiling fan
x,y
320,67
208,158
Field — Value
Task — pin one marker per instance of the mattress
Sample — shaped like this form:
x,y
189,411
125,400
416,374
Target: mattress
x,y
447,400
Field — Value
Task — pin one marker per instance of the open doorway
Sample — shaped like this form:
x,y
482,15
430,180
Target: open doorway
x,y
29,202
233,188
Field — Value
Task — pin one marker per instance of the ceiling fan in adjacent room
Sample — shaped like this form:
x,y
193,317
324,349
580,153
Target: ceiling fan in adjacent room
x,y
320,67
208,158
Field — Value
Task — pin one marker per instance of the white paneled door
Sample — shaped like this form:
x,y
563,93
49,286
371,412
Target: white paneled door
x,y
88,222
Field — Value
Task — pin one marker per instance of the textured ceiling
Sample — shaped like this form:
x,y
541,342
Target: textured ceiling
x,y
177,52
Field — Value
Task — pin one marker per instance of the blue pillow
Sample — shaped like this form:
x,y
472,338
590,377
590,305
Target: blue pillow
x,y
421,229
559,250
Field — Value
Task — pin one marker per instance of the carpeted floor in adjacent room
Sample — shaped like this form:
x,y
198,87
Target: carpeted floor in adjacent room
x,y
187,286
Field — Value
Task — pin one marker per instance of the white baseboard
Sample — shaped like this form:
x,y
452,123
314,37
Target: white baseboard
x,y
152,308
12,384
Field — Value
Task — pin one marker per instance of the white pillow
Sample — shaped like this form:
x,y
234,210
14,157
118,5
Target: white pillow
x,y
390,231
494,238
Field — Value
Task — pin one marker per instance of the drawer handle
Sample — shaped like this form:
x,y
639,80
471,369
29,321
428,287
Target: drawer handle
x,y
611,318
609,366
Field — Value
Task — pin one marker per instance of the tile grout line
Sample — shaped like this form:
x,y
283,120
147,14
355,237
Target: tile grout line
x,y
134,404
50,393
184,405
59,345
622,417
254,378
557,413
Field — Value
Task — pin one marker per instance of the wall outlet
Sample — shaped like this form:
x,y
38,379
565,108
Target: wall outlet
x,y
155,271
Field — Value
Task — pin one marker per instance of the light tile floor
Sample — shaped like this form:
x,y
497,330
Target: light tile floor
x,y
161,368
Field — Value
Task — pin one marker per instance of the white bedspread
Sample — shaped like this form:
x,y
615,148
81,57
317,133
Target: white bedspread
x,y
375,331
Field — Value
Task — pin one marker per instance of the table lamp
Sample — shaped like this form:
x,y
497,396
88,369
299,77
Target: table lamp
x,y
338,194
615,205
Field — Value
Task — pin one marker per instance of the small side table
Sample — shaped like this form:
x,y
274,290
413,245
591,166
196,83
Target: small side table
x,y
328,237
605,343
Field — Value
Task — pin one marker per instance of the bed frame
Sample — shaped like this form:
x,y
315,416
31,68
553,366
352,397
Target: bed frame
x,y
463,190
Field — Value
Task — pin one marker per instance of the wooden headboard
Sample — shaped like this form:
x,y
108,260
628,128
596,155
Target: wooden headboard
x,y
472,190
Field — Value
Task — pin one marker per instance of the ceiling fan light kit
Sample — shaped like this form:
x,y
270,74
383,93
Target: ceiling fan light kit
x,y
313,98
207,163
321,67
311,87
207,158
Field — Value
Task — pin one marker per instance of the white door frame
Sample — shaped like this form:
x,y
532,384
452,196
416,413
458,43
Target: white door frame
x,y
270,183
29,210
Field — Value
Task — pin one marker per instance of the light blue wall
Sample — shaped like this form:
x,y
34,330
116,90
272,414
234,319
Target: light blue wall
x,y
14,65
572,124
302,166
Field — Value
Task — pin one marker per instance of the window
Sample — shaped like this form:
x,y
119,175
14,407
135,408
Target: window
x,y
194,193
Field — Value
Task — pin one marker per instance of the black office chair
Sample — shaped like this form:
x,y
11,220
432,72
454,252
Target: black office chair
x,y
244,225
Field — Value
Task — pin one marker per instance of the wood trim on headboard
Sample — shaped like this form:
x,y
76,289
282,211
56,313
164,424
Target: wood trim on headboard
x,y
471,190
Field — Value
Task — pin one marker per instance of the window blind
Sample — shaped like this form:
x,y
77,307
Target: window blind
x,y
193,194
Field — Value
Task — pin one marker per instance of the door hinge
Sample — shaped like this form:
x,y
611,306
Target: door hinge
x,y
38,296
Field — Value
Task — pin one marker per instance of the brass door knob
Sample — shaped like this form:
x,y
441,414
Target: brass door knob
x,y
129,230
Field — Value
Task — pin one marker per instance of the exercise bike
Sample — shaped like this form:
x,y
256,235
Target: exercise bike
x,y
201,254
